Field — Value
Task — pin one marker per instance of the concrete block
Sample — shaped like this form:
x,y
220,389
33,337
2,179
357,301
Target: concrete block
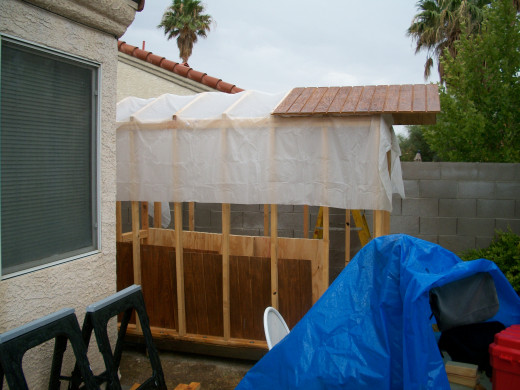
x,y
288,233
396,205
476,189
247,207
404,224
411,188
289,221
424,170
505,224
497,171
508,190
202,216
483,242
459,171
216,218
438,188
246,232
429,237
438,225
475,227
420,207
252,220
335,220
517,208
492,208
457,207
285,208
457,244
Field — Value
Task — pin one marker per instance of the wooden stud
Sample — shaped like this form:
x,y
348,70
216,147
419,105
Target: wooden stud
x,y
274,256
119,222
226,228
266,220
144,219
179,265
305,221
326,245
136,250
191,216
157,214
136,242
347,237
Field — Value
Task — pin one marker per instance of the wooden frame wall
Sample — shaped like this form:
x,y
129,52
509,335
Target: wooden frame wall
x,y
313,251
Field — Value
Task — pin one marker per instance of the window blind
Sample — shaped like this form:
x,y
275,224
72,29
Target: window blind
x,y
48,138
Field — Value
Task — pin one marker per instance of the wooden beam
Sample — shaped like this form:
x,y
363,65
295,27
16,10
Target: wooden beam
x,y
266,220
274,256
136,250
305,221
226,302
191,216
179,266
157,214
326,245
347,237
119,222
144,219
136,243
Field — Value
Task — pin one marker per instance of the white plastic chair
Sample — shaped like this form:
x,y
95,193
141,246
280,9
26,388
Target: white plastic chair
x,y
274,326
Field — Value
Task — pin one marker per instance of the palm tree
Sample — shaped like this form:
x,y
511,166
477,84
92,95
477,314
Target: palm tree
x,y
439,24
185,20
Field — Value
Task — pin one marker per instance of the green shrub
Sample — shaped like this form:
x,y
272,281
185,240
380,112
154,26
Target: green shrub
x,y
504,250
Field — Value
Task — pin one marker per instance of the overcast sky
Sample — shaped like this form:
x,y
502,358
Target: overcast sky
x,y
276,45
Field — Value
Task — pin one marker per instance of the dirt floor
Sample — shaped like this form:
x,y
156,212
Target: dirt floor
x,y
210,372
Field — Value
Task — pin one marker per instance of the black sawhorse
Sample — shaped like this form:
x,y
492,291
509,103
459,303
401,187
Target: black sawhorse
x,y
96,319
61,326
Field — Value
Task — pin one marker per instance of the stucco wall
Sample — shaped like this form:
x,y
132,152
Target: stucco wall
x,y
141,79
78,283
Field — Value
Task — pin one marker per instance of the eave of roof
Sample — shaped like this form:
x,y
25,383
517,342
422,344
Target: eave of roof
x,y
408,104
177,68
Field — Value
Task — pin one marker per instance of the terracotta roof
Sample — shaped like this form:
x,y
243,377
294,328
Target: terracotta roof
x,y
180,69
408,104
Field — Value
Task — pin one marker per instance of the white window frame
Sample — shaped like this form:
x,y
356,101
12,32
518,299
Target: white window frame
x,y
96,132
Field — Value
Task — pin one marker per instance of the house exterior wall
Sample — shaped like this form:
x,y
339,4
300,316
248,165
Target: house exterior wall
x,y
78,283
140,79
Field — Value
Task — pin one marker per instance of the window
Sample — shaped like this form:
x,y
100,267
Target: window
x,y
48,157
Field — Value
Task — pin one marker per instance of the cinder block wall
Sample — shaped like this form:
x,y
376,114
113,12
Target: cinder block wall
x,y
458,205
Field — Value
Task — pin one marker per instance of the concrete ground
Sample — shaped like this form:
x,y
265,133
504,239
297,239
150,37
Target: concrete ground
x,y
210,372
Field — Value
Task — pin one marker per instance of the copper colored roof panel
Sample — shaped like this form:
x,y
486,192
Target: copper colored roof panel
x,y
408,104
177,68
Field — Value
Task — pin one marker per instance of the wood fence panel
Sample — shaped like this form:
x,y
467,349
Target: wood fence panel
x,y
159,285
295,289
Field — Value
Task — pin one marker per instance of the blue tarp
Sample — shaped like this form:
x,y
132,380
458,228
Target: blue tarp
x,y
371,329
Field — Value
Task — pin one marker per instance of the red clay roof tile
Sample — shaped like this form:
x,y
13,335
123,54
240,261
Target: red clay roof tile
x,y
196,75
177,68
155,59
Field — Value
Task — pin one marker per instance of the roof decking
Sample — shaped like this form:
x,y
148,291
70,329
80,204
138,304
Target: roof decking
x,y
408,104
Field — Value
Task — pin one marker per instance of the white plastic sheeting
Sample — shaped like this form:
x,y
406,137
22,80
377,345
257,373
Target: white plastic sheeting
x,y
220,148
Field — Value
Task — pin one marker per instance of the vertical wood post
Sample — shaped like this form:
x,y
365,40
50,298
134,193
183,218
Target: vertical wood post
x,y
266,220
274,256
191,216
305,221
381,217
326,245
144,219
226,228
157,214
179,266
347,237
136,250
119,222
